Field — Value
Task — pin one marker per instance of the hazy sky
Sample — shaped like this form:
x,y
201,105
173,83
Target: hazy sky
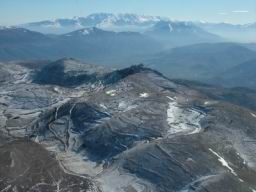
x,y
232,11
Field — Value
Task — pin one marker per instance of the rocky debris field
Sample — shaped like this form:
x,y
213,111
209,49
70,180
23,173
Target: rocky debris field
x,y
71,126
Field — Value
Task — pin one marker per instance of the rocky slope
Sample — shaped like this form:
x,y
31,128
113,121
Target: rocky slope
x,y
70,126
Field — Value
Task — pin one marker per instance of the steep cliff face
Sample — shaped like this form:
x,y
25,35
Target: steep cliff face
x,y
127,130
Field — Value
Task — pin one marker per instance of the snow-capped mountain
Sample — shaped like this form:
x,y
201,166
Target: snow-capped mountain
x,y
139,23
119,19
117,22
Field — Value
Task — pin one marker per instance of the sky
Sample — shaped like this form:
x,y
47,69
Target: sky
x,y
14,12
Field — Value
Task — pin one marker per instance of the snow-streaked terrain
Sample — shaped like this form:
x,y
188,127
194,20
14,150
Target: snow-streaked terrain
x,y
118,181
223,162
183,120
111,92
254,115
136,134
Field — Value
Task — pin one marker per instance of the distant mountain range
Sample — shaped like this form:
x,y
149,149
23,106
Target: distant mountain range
x,y
138,23
13,35
172,34
99,46
180,50
101,19
238,33
242,75
90,44
227,64
106,21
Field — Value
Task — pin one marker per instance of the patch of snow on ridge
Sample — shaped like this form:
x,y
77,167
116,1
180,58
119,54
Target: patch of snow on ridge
x,y
103,106
79,164
144,95
23,79
223,162
183,119
52,24
111,92
85,32
253,115
172,99
207,102
124,106
170,28
117,181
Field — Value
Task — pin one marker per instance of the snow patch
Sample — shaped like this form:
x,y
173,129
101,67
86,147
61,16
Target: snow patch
x,y
111,92
58,105
52,24
79,164
23,79
171,98
37,139
85,32
254,115
170,27
6,188
238,154
122,105
57,89
126,106
103,106
144,95
183,119
223,162
77,94
130,107
206,102
115,181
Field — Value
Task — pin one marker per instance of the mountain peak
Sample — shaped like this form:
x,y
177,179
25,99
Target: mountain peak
x,y
100,20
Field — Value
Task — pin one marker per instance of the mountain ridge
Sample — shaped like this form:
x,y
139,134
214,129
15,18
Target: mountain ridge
x,y
241,75
200,61
139,23
86,136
